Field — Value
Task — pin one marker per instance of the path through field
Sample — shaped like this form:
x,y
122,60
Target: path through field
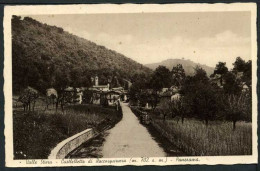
x,y
127,139
130,139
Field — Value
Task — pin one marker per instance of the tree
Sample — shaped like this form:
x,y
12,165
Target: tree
x,y
247,75
205,102
178,75
153,99
161,78
41,61
178,108
143,97
28,98
239,65
221,69
164,108
133,93
232,85
236,108
139,84
51,97
200,75
200,96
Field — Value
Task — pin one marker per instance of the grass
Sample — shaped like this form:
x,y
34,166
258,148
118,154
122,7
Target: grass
x,y
218,139
36,133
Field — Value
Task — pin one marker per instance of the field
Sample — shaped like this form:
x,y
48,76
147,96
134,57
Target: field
x,y
36,133
194,138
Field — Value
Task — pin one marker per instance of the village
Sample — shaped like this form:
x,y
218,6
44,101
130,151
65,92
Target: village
x,y
104,95
82,99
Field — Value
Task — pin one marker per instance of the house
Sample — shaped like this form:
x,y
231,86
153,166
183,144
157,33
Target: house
x,y
101,87
75,93
51,92
112,97
103,94
96,85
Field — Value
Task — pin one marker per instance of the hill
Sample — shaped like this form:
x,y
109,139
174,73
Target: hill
x,y
46,56
188,65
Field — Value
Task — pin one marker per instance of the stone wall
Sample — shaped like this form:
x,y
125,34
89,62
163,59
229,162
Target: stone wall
x,y
71,143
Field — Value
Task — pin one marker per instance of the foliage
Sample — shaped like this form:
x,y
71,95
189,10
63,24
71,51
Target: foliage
x,y
232,84
241,65
161,78
178,75
35,135
45,56
164,108
140,82
28,98
200,96
187,65
236,107
220,69
200,75
178,108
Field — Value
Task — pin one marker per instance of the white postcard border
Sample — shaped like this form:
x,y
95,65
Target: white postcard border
x,y
125,8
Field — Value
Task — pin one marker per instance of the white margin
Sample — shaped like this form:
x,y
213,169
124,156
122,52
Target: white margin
x,y
125,8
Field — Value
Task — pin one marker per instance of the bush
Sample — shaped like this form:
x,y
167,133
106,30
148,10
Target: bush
x,y
35,134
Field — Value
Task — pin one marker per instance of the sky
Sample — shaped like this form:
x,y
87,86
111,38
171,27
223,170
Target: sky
x,y
203,37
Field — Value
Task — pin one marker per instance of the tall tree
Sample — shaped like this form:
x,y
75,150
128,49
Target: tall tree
x,y
232,85
200,75
178,108
200,96
221,69
178,75
247,75
236,108
239,65
139,84
161,78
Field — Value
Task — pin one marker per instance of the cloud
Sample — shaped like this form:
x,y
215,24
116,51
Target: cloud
x,y
224,46
224,39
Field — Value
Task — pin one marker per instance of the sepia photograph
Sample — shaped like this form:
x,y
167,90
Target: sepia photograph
x,y
156,84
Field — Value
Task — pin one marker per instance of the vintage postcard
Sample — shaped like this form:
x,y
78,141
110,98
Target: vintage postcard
x,y
96,85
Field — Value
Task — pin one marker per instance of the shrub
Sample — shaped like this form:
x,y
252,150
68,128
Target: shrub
x,y
36,134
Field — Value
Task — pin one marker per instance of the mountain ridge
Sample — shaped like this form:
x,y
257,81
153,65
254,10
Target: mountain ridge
x,y
187,64
44,56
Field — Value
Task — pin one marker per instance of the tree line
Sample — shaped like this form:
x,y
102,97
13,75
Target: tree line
x,y
225,95
46,56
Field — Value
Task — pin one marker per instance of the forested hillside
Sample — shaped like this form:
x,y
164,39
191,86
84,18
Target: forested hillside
x,y
188,65
46,56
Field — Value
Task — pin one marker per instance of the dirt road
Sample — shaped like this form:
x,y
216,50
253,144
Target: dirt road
x,y
127,139
130,139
